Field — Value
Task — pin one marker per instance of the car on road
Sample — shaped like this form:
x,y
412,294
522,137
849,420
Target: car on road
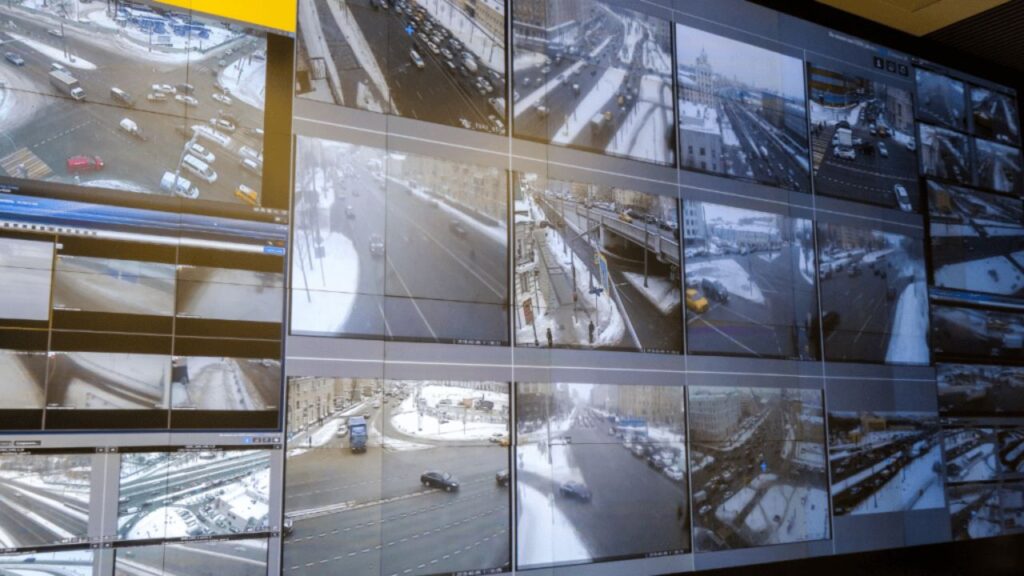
x,y
575,490
844,152
15,58
417,59
674,473
185,88
223,124
163,88
495,438
441,480
714,290
252,166
376,245
457,228
199,151
187,100
156,97
502,477
130,127
902,198
122,96
696,302
199,168
350,212
247,195
911,145
342,431
625,217
84,163
222,98
883,151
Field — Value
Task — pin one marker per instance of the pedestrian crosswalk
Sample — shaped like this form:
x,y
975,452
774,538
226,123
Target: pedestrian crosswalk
x,y
23,163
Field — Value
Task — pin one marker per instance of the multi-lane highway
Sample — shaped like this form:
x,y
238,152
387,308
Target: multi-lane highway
x,y
370,515
775,326
214,558
37,513
766,153
51,127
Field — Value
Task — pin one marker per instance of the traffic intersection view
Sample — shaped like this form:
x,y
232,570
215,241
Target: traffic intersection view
x,y
436,60
977,240
750,282
397,245
132,98
419,477
863,142
874,296
593,75
738,120
971,454
588,457
44,499
758,467
595,266
885,462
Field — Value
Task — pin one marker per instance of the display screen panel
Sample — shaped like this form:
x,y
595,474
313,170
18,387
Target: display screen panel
x,y
26,272
595,76
417,470
192,493
969,391
750,283
976,240
945,154
44,499
436,61
885,462
971,455
597,266
140,99
863,139
975,511
961,333
398,246
246,557
996,115
739,120
588,456
69,563
874,296
758,467
1011,452
941,99
997,167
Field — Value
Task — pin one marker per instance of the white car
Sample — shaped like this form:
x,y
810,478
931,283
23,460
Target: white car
x,y
882,150
186,100
252,166
163,88
844,152
902,198
222,98
674,473
222,124
249,152
416,59
199,151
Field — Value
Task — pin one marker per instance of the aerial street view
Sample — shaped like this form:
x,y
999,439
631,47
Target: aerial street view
x,y
995,115
749,282
758,467
596,266
885,462
863,142
193,493
976,333
84,283
874,296
212,557
230,294
64,563
975,511
132,97
739,120
977,240
397,245
26,274
966,390
436,60
44,499
107,381
595,76
397,477
206,383
1011,451
971,455
941,100
589,456
997,167
945,154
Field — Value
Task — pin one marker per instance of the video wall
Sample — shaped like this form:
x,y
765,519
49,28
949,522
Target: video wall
x,y
441,287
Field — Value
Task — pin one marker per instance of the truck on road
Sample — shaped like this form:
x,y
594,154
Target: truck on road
x,y
67,84
357,433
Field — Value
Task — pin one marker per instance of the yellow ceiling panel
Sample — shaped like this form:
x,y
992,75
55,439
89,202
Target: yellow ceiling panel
x,y
917,17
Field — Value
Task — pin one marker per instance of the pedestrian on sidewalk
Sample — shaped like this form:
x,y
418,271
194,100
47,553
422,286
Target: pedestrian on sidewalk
x,y
549,337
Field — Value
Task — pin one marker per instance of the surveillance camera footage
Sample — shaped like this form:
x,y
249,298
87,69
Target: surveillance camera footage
x,y
977,240
974,333
593,75
885,462
971,455
207,558
945,154
874,296
436,60
596,266
758,467
997,167
941,100
975,511
26,274
400,246
133,97
588,457
217,383
750,282
1011,451
397,477
185,494
23,373
738,119
996,116
63,563
107,381
863,142
44,499
966,390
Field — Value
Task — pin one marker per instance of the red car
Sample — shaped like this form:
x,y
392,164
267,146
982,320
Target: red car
x,y
84,163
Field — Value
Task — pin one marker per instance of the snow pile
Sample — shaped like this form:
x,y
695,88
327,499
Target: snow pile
x,y
831,116
993,275
324,284
546,536
609,326
469,425
54,54
791,514
727,271
909,341
916,486
592,104
642,133
317,439
660,292
246,79
537,96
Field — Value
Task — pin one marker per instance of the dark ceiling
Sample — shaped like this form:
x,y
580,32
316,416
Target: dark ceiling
x,y
996,35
